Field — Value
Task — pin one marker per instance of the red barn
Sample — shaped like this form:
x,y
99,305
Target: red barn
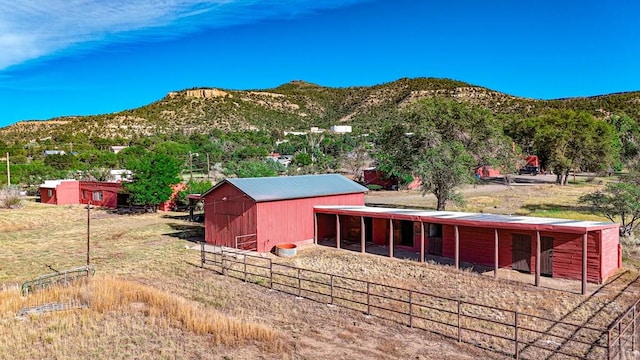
x,y
66,192
258,213
571,249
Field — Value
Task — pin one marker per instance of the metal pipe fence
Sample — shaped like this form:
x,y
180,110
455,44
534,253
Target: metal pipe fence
x,y
505,331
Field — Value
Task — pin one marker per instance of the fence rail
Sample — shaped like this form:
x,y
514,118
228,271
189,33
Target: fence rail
x,y
505,331
61,277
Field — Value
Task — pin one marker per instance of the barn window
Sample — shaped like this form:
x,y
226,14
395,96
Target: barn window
x,y
50,193
84,194
97,196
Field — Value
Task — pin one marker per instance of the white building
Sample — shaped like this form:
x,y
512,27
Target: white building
x,y
340,129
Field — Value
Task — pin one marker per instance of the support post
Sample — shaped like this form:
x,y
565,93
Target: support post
x,y
457,247
584,264
421,241
337,231
537,258
496,248
315,228
362,235
390,238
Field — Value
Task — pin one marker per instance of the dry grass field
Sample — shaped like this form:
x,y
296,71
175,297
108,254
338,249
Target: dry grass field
x,y
150,300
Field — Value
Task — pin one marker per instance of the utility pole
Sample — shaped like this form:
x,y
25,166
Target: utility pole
x,y
190,166
208,167
8,171
88,237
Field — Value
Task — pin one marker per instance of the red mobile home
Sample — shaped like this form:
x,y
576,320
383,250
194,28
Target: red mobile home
x,y
258,213
571,249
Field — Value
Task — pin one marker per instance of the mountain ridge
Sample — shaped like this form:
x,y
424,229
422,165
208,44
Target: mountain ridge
x,y
299,105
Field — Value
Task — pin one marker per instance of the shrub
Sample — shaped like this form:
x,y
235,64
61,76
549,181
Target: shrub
x,y
10,197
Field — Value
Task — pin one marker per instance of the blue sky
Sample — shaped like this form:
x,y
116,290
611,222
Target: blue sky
x,y
82,57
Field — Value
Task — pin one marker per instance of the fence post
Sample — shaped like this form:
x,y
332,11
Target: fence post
x,y
202,254
459,325
620,335
299,283
515,337
410,308
244,259
633,339
270,274
331,282
368,298
224,269
609,344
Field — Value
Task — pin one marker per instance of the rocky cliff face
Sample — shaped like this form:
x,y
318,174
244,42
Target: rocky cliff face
x,y
200,93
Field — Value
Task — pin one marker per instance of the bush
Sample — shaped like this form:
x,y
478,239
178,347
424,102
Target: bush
x,y
10,197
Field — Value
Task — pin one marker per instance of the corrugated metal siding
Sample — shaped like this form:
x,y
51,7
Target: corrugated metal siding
x,y
476,245
228,213
297,187
609,259
291,221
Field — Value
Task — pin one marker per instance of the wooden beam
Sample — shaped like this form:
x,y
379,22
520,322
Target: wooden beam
x,y
337,231
421,241
315,226
362,235
390,237
457,247
496,263
537,258
584,264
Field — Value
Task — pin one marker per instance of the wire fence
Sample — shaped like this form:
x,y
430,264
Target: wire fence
x,y
505,331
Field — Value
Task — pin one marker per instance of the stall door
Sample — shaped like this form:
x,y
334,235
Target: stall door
x,y
521,253
546,256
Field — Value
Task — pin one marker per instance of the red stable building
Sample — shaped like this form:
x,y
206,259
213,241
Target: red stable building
x,y
571,249
258,213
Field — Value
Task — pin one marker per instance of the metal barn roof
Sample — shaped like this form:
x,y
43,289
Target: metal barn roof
x,y
293,187
470,219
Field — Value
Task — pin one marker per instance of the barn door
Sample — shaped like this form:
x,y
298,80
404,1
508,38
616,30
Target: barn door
x,y
546,256
435,239
521,253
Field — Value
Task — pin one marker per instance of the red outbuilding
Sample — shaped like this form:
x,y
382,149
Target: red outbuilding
x,y
571,249
67,192
258,213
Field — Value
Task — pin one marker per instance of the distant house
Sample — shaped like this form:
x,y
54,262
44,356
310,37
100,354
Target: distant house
x,y
53,152
117,149
69,192
340,129
285,160
119,175
99,193
259,213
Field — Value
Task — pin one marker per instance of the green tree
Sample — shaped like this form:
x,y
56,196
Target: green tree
x,y
61,162
193,187
441,141
252,168
627,141
567,140
153,177
617,201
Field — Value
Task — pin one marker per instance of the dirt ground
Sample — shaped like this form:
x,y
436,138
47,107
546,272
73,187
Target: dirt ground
x,y
154,249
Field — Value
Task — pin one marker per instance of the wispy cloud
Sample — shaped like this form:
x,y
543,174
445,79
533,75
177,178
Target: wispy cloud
x,y
31,29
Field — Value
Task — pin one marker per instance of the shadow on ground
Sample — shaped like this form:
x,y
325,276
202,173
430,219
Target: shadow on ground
x,y
193,232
